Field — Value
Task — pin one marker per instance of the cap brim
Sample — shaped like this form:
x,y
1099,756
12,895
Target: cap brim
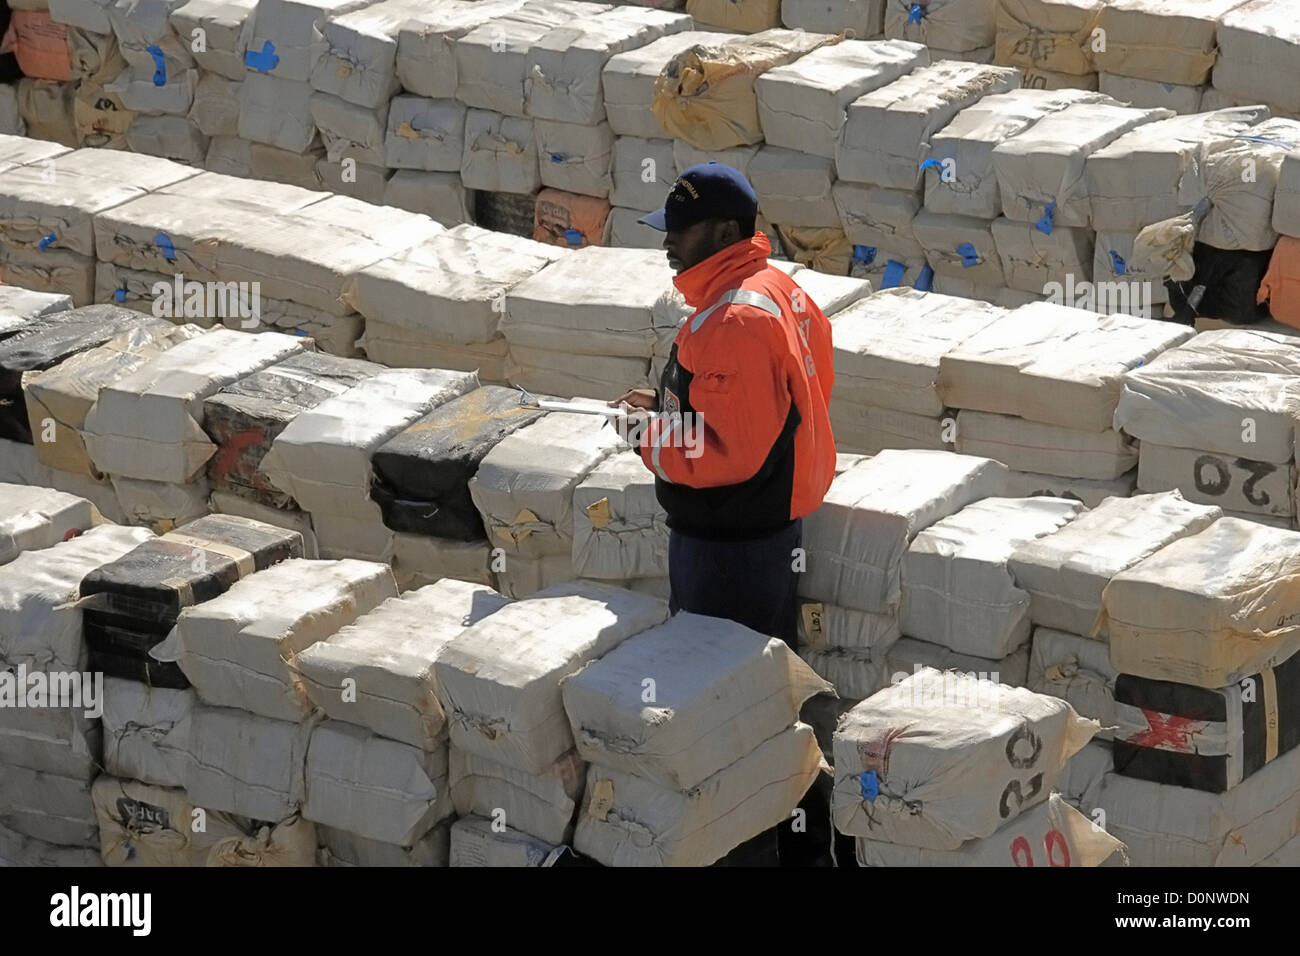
x,y
655,220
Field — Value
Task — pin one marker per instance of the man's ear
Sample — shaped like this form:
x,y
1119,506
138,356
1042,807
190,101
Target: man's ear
x,y
728,233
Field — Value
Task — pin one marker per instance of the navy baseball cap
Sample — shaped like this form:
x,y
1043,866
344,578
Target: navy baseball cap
x,y
705,191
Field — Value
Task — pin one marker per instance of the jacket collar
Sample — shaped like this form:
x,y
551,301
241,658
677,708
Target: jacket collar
x,y
723,270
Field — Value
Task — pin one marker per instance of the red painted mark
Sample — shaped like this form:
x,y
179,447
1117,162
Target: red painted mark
x,y
230,451
1167,733
72,533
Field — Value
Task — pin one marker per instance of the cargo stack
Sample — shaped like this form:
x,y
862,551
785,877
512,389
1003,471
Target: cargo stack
x,y
440,303
499,684
952,29
1216,420
620,534
50,729
987,783
1203,641
322,458
1159,53
1037,391
374,680
524,491
1052,41
1257,43
722,733
854,546
866,18
883,147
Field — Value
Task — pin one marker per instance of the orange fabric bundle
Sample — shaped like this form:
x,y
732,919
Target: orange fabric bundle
x,y
1281,285
569,219
40,44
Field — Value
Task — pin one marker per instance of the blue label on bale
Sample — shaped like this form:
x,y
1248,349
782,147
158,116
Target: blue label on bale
x,y
264,61
159,65
870,786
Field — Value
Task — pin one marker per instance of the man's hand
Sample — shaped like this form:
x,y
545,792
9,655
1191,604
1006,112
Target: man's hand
x,y
646,398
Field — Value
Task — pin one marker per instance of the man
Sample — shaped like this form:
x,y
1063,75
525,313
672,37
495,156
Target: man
x,y
750,372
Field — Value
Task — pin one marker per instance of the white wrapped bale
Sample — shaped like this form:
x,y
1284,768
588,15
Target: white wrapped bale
x,y
148,424
215,111
830,293
340,848
1286,204
226,26
64,741
294,30
440,196
737,157
40,624
695,728
389,655
1032,259
879,218
1157,170
575,158
144,35
619,528
402,348
1040,172
376,788
476,841
699,826
856,539
426,57
146,731
419,560
322,458
366,538
1226,392
500,153
881,142
562,81
1052,364
801,105
492,58
1090,491
1257,44
829,626
1045,449
240,648
1209,609
19,850
239,157
161,505
961,247
1084,774
19,306
499,682
866,18
16,150
1169,41
1047,35
244,764
34,518
634,162
139,94
869,430
1241,175
425,134
944,24
957,590
351,131
540,805
49,808
794,188
1182,99
1077,670
907,656
629,82
888,347
277,112
1118,285
1238,485
1066,838
524,576
359,61
1177,826
11,121
973,763
145,825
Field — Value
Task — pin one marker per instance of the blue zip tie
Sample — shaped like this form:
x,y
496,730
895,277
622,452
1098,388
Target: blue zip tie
x,y
869,786
893,275
264,61
1117,263
165,244
864,255
925,280
914,15
573,237
930,164
969,257
119,295
159,65
45,243
1045,224
557,157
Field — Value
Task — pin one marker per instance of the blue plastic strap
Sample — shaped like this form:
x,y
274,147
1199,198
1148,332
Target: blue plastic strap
x,y
573,237
914,15
893,275
46,242
969,257
869,786
925,280
264,61
1117,263
1045,224
165,244
557,157
864,255
119,295
930,164
159,65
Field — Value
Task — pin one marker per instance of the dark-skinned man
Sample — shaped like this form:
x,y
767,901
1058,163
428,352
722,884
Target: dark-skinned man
x,y
750,372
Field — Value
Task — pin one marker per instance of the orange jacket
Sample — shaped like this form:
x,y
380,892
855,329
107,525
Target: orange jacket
x,y
753,364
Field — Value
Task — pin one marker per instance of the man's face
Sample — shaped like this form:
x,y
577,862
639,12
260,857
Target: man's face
x,y
690,246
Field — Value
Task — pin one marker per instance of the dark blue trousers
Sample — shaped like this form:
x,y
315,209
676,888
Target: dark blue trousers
x,y
750,582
